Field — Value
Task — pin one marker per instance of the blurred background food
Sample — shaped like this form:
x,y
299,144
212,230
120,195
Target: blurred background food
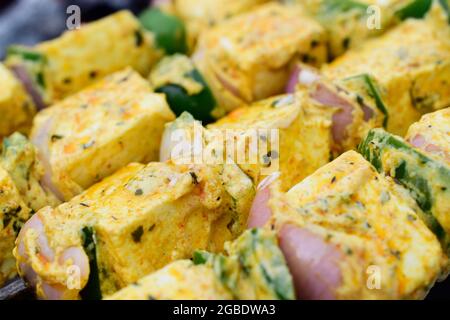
x,y
31,21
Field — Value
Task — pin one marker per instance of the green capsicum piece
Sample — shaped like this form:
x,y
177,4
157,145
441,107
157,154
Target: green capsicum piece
x,y
92,290
184,87
255,261
169,31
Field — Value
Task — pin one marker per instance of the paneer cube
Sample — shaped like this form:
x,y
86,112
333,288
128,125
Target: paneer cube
x,y
292,134
349,232
63,66
139,220
249,57
90,135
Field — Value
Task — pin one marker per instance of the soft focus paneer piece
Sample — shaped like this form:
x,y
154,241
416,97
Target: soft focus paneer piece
x,y
13,214
253,267
411,63
93,133
61,67
348,232
432,135
199,15
16,107
249,57
180,280
131,224
293,134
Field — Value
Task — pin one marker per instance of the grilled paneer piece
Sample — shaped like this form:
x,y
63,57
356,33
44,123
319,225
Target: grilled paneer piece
x,y
248,57
131,224
348,232
53,70
289,133
411,63
252,268
426,176
16,108
93,133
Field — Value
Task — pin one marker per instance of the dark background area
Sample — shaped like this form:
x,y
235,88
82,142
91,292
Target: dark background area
x,y
30,21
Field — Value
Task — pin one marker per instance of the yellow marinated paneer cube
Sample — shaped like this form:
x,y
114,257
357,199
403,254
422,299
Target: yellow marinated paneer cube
x,y
61,67
249,57
93,133
348,232
180,280
411,63
432,135
16,107
13,214
287,133
133,223
199,15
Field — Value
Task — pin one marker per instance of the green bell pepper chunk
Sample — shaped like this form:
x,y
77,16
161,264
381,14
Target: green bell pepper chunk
x,y
170,32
